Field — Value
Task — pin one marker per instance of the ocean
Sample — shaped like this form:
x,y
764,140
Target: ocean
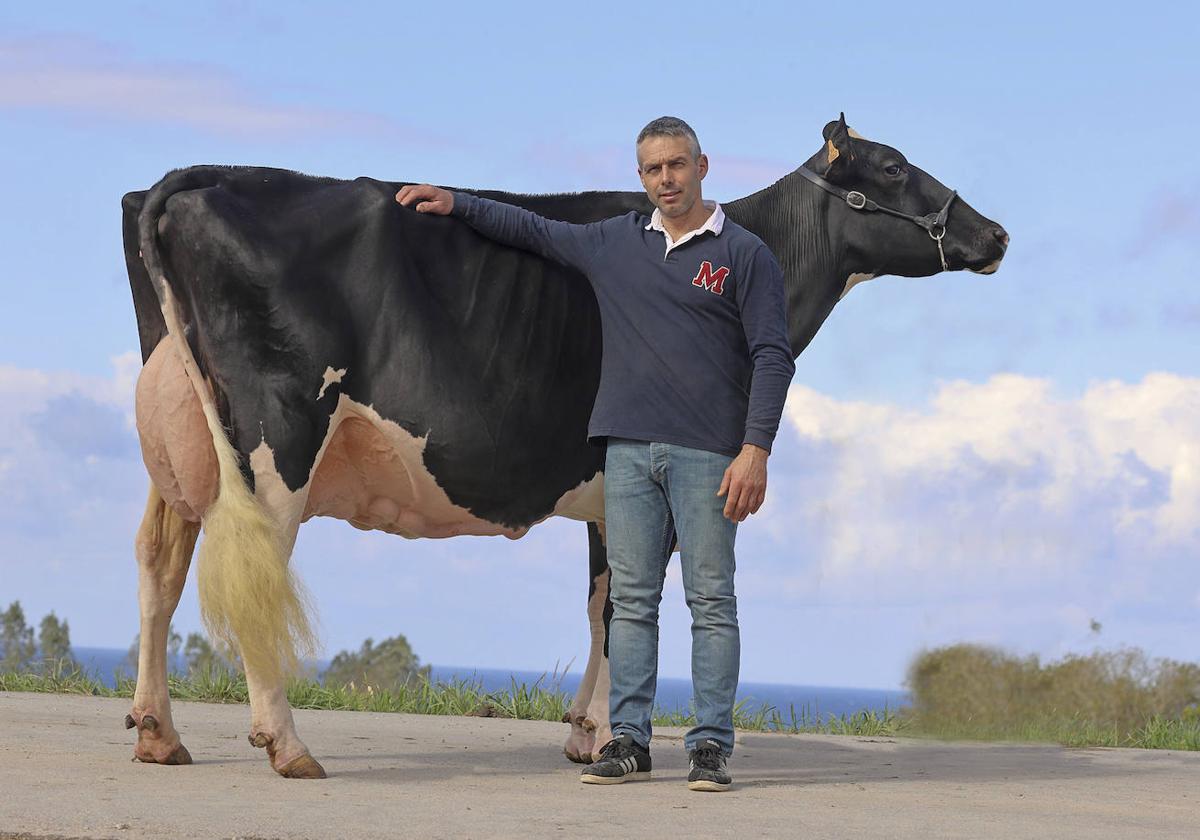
x,y
673,693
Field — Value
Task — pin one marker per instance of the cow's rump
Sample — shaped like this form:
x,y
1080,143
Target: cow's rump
x,y
425,360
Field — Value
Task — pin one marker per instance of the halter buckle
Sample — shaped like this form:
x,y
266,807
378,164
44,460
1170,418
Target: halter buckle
x,y
856,199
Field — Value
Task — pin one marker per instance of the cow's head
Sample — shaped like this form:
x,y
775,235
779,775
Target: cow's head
x,y
886,244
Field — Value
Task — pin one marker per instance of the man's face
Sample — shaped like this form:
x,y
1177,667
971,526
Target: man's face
x,y
670,174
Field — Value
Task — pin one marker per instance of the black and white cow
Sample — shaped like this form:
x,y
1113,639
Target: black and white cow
x,y
312,348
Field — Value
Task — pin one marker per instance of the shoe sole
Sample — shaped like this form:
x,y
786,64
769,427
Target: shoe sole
x,y
709,785
589,779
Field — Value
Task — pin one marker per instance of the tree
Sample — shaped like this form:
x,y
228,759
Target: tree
x,y
174,640
54,642
388,666
202,657
16,640
199,655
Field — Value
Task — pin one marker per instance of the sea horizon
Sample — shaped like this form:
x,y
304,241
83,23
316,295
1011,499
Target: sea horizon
x,y
673,694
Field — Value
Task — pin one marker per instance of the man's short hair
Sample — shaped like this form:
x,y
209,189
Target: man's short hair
x,y
670,127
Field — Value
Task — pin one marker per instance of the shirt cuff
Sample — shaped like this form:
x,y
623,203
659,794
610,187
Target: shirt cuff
x,y
463,204
758,438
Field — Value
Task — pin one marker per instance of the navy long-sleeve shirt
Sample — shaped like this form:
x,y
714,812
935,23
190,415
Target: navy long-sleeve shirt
x,y
695,340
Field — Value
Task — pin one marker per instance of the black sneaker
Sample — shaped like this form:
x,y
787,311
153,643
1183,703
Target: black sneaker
x,y
708,768
621,760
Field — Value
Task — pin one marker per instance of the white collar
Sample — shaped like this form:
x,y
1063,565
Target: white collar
x,y
714,223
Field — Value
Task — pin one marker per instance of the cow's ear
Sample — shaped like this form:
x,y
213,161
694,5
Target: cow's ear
x,y
839,145
833,126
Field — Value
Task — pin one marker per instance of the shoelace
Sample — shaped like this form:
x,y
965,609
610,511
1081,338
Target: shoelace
x,y
616,749
708,758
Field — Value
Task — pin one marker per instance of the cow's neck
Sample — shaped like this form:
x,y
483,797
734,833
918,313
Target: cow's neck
x,y
801,226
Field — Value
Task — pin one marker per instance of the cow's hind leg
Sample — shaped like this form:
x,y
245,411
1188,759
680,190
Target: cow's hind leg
x,y
272,726
592,696
164,547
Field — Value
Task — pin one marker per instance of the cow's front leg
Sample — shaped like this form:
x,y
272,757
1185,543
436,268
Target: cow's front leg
x,y
597,714
592,696
163,546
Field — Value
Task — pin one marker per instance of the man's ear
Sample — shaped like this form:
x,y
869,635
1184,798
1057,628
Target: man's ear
x,y
702,165
839,145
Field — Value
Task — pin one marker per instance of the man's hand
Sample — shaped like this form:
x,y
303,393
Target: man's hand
x,y
430,199
745,481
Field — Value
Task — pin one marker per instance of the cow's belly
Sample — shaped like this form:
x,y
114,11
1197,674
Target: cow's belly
x,y
369,471
176,444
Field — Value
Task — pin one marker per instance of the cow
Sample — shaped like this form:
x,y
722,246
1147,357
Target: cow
x,y
312,348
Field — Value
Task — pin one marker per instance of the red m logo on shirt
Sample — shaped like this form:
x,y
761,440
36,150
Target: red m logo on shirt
x,y
714,281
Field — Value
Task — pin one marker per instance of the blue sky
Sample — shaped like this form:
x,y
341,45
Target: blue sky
x,y
996,459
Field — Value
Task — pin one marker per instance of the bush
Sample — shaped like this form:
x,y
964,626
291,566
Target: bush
x,y
984,692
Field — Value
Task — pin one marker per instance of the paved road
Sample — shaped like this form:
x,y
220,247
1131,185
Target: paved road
x,y
65,772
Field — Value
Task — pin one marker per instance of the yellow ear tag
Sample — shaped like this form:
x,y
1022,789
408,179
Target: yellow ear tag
x,y
831,151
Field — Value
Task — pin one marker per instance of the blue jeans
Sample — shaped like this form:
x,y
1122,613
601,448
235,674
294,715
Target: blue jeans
x,y
653,492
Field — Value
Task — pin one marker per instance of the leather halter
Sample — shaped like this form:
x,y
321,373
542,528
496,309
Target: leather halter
x,y
934,223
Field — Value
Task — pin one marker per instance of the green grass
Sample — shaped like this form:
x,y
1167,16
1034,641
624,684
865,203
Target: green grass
x,y
1157,733
520,701
962,692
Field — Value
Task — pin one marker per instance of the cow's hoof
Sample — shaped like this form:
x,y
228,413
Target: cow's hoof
x,y
154,744
179,755
304,767
579,743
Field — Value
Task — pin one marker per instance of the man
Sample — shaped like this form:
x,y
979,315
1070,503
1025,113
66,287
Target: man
x,y
694,371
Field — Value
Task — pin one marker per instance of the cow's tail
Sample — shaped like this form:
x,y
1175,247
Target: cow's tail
x,y
249,598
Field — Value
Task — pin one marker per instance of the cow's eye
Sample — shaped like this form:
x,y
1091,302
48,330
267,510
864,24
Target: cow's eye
x,y
893,170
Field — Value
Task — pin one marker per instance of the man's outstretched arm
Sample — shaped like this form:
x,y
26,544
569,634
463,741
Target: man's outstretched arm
x,y
563,242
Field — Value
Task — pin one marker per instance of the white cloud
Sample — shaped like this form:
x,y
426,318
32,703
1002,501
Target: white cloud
x,y
25,392
999,486
66,442
84,76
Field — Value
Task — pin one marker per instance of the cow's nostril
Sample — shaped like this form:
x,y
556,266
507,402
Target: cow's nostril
x,y
1001,235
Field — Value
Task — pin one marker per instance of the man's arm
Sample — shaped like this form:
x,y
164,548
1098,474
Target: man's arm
x,y
763,307
563,242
